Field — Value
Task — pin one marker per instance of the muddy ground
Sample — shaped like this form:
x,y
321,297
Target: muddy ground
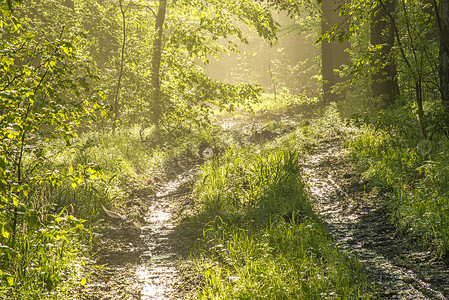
x,y
136,254
395,263
140,255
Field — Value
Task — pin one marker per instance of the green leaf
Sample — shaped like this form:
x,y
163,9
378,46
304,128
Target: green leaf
x,y
33,219
15,201
5,232
10,280
28,35
6,10
2,164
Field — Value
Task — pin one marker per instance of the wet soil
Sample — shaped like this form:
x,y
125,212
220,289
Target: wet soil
x,y
396,265
136,254
141,252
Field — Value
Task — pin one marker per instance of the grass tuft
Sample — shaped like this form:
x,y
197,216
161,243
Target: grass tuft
x,y
257,234
414,175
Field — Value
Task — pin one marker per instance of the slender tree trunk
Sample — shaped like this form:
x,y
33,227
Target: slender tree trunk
x,y
419,101
19,164
116,102
333,53
156,62
270,72
384,83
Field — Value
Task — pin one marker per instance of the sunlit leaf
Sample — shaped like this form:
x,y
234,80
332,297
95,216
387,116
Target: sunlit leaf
x,y
28,35
5,232
10,280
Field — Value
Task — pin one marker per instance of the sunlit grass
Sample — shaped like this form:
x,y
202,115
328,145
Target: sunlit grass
x,y
415,177
100,169
283,103
258,235
285,260
283,100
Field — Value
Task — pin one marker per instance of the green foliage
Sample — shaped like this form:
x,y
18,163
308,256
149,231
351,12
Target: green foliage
x,y
260,237
284,101
414,173
385,159
414,56
43,97
196,28
285,260
48,261
194,33
233,182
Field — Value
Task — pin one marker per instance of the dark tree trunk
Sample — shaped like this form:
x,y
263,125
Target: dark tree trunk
x,y
384,82
156,62
419,101
444,54
333,52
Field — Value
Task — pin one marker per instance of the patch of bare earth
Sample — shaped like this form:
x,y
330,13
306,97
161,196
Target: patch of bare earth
x,y
137,255
395,263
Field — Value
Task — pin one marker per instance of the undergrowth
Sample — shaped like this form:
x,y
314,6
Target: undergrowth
x,y
413,173
258,237
258,234
51,256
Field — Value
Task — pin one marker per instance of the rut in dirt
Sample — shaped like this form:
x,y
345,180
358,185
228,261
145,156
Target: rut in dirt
x,y
141,262
157,271
395,263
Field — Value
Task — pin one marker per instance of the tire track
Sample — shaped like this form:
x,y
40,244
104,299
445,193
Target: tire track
x,y
157,271
360,226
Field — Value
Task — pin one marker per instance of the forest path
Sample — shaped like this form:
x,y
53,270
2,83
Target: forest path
x,y
141,262
352,209
157,271
144,265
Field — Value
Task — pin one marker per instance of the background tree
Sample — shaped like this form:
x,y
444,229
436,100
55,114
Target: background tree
x,y
156,61
443,24
122,60
414,52
384,78
335,53
197,31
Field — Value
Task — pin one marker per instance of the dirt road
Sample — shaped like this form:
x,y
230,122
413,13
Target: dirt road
x,y
353,210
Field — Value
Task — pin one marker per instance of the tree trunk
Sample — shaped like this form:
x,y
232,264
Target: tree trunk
x,y
444,54
384,82
333,52
419,101
156,62
116,102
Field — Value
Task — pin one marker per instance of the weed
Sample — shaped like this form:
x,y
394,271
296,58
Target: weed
x,y
416,175
259,237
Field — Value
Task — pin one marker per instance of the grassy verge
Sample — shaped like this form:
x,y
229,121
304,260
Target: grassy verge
x,y
413,174
258,237
63,202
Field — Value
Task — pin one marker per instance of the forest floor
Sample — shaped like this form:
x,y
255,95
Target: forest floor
x,y
359,223
143,260
140,261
